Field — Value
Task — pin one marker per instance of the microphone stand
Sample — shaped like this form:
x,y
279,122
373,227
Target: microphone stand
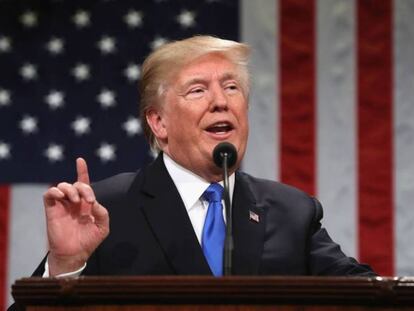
x,y
228,244
225,156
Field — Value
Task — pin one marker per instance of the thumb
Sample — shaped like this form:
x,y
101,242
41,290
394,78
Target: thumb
x,y
82,171
101,216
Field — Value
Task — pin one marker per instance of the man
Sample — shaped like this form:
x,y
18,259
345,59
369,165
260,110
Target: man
x,y
194,95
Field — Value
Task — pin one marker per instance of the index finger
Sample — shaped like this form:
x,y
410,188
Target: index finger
x,y
82,170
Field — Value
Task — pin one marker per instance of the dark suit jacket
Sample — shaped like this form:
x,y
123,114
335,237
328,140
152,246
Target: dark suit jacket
x,y
151,233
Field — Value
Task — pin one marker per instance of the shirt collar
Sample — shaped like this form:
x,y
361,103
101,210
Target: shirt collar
x,y
189,185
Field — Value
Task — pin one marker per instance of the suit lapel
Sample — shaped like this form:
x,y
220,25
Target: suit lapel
x,y
166,214
248,228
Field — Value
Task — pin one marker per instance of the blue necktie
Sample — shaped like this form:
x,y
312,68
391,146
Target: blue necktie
x,y
214,230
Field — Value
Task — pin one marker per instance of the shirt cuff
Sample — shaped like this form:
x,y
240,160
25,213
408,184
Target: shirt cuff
x,y
73,274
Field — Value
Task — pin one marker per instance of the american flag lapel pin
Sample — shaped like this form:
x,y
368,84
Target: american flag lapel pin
x,y
253,216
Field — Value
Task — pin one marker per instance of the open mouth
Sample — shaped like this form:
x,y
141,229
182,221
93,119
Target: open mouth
x,y
220,128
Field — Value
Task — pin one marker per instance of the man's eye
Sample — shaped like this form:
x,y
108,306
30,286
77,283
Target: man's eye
x,y
197,91
232,87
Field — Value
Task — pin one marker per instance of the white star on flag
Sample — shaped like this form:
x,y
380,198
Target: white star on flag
x,y
4,97
81,72
54,152
29,19
81,125
55,99
28,124
55,45
4,151
28,72
132,126
106,98
5,44
106,152
157,42
81,19
132,72
107,45
133,18
186,19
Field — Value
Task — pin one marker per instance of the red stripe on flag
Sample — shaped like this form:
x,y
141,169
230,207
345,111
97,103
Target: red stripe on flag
x,y
4,238
375,155
297,70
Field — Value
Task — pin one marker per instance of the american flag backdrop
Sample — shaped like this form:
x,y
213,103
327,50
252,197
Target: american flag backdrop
x,y
331,108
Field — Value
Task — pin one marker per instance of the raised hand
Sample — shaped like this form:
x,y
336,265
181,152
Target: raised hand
x,y
76,222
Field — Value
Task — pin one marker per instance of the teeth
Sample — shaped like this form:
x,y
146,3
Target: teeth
x,y
220,128
221,125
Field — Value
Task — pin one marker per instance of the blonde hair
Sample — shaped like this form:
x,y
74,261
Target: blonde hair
x,y
162,64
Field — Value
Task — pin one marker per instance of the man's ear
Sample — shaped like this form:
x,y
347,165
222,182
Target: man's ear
x,y
156,123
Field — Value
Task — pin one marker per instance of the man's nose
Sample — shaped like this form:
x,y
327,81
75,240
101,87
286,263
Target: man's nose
x,y
219,99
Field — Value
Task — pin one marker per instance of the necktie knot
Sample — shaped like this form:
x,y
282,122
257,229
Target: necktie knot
x,y
213,193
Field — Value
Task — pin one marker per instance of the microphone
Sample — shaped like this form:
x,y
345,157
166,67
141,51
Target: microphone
x,y
225,152
225,156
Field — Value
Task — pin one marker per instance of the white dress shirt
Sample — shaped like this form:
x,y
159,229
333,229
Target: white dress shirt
x,y
191,188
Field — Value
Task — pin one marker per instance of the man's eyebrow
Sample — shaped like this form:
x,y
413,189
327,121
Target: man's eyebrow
x,y
194,81
229,76
226,76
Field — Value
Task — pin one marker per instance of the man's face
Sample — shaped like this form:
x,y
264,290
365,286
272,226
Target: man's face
x,y
204,105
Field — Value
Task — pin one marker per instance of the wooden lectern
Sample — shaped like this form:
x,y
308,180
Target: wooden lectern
x,y
209,293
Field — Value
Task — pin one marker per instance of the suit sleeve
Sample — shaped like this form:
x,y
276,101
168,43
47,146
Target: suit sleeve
x,y
326,257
